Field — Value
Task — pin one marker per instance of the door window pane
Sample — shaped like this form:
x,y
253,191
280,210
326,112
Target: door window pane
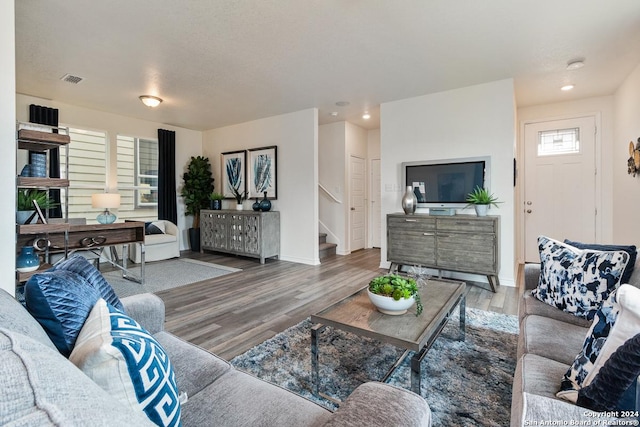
x,y
559,141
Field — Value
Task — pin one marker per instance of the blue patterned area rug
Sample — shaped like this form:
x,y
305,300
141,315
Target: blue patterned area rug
x,y
466,383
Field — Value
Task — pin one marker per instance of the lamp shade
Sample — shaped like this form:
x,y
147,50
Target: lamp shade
x,y
105,200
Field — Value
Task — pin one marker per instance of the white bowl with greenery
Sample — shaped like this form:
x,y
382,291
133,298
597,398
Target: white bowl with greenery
x,y
394,294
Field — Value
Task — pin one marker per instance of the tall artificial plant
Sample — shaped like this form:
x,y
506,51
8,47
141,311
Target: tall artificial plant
x,y
198,186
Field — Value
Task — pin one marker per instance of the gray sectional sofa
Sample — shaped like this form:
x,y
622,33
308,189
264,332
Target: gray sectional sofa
x,y
549,341
41,387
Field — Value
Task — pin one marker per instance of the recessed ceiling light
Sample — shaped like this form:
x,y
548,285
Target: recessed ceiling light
x,y
366,115
342,103
566,87
150,101
575,64
333,114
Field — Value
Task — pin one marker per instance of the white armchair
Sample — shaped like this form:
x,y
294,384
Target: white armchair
x,y
158,246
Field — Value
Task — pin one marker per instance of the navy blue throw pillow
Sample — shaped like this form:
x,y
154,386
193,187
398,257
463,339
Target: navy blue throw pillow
x,y
151,228
630,249
60,301
80,265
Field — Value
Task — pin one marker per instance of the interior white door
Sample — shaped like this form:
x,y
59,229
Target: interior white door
x,y
560,182
357,207
376,210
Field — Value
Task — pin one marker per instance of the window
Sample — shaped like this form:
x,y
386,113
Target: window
x,y
87,170
137,177
560,141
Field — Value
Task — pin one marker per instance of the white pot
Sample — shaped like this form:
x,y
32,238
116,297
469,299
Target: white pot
x,y
388,305
481,210
239,206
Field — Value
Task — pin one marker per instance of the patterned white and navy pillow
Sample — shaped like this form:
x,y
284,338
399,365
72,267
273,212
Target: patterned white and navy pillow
x,y
126,361
577,281
617,321
630,249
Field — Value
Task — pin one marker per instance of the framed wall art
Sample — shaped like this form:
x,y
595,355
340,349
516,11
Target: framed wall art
x,y
233,173
262,172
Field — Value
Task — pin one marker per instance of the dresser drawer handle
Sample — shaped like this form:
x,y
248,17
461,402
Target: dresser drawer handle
x,y
428,234
410,220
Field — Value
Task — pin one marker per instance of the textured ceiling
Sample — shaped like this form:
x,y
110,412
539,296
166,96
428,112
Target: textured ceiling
x,y
217,63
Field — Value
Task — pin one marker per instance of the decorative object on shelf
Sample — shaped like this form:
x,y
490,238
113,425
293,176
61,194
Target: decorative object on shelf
x,y
196,191
38,164
262,172
409,201
256,205
239,196
633,163
480,198
394,294
25,206
27,260
106,201
265,204
216,201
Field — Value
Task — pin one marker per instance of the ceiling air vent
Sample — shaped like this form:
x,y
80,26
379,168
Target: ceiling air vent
x,y
71,79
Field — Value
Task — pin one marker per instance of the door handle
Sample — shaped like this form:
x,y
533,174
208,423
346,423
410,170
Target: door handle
x,y
528,210
353,209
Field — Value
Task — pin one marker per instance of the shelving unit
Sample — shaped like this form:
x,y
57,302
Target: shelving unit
x,y
42,139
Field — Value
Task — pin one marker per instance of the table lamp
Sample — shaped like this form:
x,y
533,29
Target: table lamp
x,y
105,201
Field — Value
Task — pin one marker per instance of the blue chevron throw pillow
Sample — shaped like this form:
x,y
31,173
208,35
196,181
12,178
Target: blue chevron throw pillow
x,y
126,361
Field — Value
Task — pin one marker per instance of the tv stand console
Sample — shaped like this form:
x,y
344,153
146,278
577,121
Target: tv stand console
x,y
463,243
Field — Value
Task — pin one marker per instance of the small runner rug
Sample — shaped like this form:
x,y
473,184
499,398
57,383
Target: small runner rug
x,y
466,383
163,275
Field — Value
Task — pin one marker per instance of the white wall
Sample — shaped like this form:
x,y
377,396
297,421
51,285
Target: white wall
x,y
331,175
188,142
602,109
296,135
7,148
626,188
468,122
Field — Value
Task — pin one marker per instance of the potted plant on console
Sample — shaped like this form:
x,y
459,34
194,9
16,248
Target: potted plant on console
x,y
480,198
240,196
216,201
394,294
198,186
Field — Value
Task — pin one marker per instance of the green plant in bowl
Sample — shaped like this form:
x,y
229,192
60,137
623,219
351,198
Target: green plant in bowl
x,y
481,196
397,287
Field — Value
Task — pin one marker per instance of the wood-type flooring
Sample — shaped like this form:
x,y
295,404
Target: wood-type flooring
x,y
230,314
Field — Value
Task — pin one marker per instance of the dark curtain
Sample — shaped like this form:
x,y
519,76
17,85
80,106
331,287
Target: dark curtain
x,y
49,116
167,203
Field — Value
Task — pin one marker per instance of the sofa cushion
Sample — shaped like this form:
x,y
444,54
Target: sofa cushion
x,y
80,265
529,305
241,399
42,388
550,338
617,321
14,317
158,239
60,301
630,249
128,363
194,367
577,281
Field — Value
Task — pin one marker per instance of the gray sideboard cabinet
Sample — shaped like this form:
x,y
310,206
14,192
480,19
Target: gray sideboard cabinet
x,y
247,233
464,243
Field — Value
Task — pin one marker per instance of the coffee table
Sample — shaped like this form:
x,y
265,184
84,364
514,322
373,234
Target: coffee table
x,y
356,314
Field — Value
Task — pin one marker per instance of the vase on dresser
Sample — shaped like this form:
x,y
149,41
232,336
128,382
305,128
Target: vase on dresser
x,y
409,201
27,260
265,204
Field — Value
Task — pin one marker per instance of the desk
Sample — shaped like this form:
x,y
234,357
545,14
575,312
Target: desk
x,y
96,237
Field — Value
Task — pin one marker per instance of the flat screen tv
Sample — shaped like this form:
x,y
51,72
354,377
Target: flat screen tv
x,y
446,183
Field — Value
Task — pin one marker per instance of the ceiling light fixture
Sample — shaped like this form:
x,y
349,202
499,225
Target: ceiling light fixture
x,y
566,87
150,101
575,64
342,103
366,115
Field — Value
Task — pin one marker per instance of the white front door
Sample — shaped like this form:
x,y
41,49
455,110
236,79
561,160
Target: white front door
x,y
560,182
376,206
357,208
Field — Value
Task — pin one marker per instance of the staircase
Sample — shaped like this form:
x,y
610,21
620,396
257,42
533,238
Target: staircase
x,y
326,249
